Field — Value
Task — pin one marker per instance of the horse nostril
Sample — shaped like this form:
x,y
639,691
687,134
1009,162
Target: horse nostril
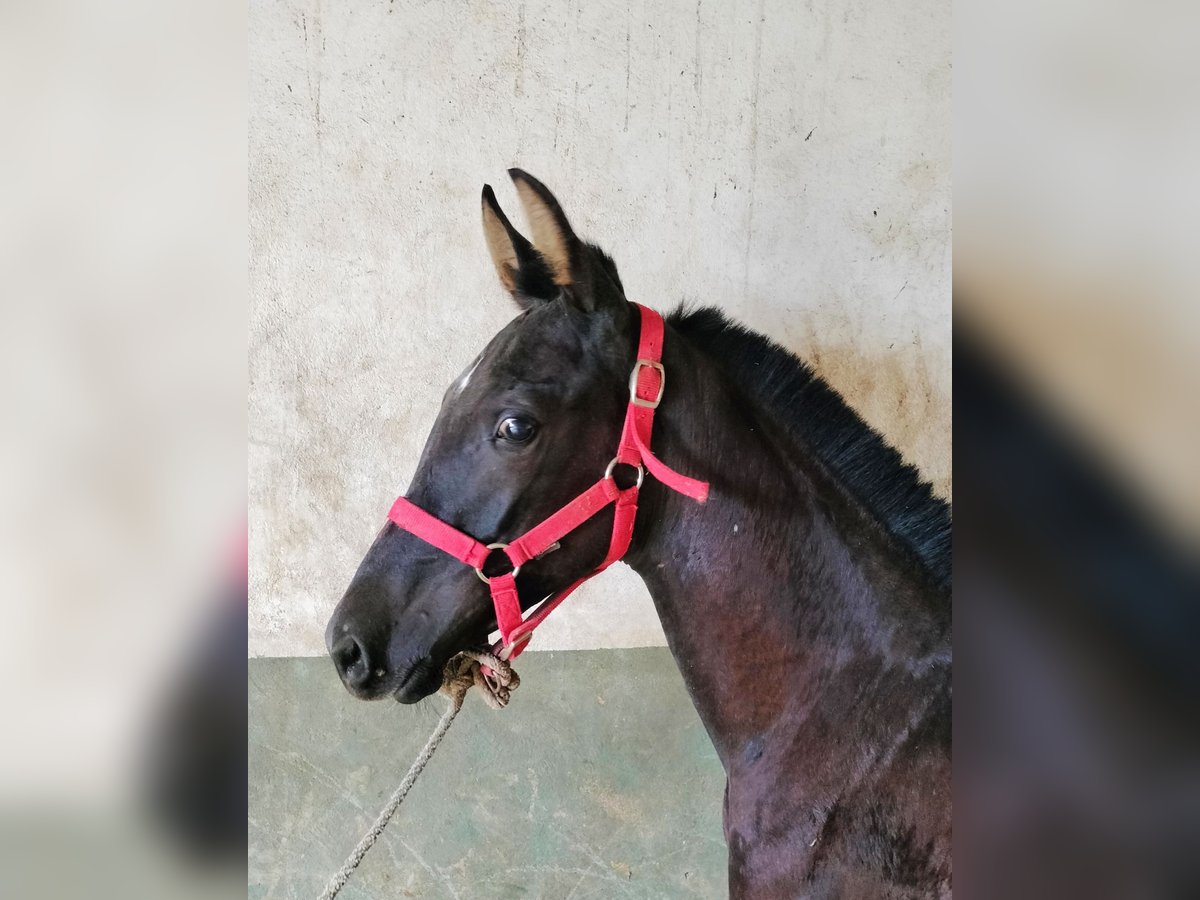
x,y
350,658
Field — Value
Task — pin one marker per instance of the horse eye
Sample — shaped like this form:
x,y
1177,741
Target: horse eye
x,y
515,430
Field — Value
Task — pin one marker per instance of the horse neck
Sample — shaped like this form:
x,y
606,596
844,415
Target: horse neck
x,y
781,600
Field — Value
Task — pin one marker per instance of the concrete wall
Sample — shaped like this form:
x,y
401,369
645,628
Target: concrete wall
x,y
588,785
789,162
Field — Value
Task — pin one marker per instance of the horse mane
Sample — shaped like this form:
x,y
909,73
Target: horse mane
x,y
815,414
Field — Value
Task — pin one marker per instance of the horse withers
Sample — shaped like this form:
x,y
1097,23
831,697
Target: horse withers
x,y
807,603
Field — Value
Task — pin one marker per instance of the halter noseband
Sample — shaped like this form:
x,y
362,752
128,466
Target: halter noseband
x,y
646,384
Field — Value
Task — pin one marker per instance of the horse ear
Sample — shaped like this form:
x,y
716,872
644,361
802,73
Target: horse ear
x,y
521,269
580,273
552,234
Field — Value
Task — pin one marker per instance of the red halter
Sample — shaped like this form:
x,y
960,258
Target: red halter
x,y
646,384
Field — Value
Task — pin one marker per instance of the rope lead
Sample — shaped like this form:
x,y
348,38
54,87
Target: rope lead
x,y
462,672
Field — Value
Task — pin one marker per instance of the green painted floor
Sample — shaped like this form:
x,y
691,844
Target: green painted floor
x,y
598,781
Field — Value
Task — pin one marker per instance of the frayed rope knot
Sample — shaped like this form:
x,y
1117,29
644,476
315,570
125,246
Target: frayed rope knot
x,y
493,676
496,681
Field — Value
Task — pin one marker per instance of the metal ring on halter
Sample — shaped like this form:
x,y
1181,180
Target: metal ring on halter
x,y
506,651
608,472
484,578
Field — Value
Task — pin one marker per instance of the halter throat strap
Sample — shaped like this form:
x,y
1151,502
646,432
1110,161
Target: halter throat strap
x,y
647,384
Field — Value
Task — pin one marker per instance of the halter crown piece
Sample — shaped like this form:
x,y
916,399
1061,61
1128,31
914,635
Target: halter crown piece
x,y
647,382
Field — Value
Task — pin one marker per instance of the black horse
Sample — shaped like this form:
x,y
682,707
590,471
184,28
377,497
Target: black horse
x,y
807,603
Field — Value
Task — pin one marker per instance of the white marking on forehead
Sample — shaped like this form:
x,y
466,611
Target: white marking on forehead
x,y
466,378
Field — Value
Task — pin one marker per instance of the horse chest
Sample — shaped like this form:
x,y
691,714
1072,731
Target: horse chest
x,y
789,840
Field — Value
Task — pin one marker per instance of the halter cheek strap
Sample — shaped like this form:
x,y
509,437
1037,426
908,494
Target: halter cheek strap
x,y
647,382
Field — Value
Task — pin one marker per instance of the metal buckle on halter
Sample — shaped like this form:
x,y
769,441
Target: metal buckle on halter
x,y
507,649
608,471
633,381
484,578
